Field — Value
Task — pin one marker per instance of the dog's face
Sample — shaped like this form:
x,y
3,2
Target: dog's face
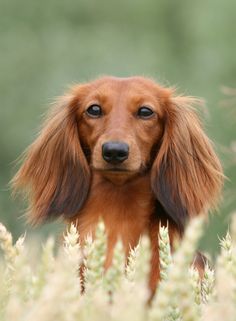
x,y
120,122
121,128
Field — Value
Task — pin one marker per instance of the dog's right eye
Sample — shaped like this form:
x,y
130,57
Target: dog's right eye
x,y
94,111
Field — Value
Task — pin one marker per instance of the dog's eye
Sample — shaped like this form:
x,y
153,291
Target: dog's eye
x,y
144,112
94,111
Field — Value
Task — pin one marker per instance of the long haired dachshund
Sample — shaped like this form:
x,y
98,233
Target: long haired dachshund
x,y
126,150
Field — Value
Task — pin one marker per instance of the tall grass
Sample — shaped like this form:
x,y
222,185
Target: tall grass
x,y
49,288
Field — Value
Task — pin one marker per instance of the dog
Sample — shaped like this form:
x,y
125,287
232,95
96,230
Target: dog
x,y
126,150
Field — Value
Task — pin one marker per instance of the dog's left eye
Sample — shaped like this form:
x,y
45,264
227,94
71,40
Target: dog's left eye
x,y
94,111
144,112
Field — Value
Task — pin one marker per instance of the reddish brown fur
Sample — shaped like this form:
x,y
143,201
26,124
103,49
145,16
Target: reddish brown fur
x,y
171,174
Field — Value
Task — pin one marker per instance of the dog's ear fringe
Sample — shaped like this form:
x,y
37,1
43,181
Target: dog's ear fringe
x,y
186,176
55,175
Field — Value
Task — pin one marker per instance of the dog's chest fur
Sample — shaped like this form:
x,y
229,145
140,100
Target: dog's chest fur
x,y
125,210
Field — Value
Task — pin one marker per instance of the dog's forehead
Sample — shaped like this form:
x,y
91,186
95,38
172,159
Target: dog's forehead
x,y
118,84
114,90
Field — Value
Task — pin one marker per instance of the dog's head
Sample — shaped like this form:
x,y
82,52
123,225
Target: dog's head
x,y
121,128
120,121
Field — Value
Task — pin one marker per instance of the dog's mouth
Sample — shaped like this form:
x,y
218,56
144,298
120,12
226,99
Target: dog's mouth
x,y
120,170
116,175
114,170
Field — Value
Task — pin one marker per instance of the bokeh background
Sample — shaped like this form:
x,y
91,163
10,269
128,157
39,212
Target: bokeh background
x,y
48,44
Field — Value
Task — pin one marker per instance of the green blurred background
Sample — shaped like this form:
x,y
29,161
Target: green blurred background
x,y
46,45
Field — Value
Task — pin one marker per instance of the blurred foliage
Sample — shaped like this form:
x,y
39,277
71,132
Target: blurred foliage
x,y
47,45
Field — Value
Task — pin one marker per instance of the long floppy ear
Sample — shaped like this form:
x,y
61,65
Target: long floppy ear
x,y
55,172
186,175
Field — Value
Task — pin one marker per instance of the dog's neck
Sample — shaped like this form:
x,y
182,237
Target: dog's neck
x,y
125,209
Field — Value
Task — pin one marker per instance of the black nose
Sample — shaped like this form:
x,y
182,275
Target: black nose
x,y
115,152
